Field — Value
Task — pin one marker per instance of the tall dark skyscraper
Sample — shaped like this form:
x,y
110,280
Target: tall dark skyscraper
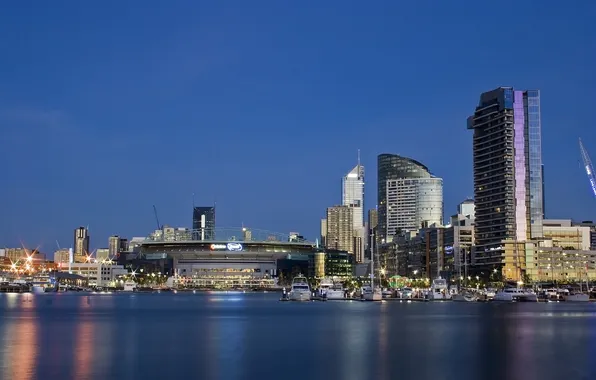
x,y
81,244
203,223
508,185
393,167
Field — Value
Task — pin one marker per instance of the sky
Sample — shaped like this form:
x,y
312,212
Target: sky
x,y
109,108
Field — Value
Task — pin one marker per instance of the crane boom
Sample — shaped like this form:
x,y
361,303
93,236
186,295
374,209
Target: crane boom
x,y
588,166
156,218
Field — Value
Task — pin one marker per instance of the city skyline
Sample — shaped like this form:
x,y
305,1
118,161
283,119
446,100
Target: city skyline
x,y
238,120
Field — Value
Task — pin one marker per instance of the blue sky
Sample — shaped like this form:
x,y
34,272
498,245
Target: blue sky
x,y
107,109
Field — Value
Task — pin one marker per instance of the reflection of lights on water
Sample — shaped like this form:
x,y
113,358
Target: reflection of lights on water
x,y
223,299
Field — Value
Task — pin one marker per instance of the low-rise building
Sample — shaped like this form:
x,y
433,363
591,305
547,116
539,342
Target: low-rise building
x,y
97,274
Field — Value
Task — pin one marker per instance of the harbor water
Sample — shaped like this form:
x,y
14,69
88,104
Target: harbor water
x,y
254,336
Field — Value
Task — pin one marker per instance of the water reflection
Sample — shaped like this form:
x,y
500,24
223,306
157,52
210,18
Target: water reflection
x,y
20,339
84,340
146,336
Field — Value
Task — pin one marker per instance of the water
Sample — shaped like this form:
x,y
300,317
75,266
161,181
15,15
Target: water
x,y
253,336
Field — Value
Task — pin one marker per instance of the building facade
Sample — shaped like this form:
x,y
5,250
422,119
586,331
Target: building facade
x,y
203,223
413,203
340,228
393,167
116,244
508,182
81,244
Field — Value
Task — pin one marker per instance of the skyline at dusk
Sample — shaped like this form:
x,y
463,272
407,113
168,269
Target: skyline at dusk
x,y
105,112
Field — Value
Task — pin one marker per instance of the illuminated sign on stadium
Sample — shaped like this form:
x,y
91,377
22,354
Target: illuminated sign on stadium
x,y
229,247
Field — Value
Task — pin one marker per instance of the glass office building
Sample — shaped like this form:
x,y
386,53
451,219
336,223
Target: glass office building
x,y
393,167
508,186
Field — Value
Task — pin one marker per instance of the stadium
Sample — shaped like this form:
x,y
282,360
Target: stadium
x,y
230,260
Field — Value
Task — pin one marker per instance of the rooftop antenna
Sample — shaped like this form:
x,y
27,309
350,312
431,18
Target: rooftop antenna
x,y
193,201
358,158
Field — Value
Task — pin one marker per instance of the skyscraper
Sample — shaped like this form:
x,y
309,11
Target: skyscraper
x,y
116,244
393,167
508,187
413,203
203,223
353,196
340,228
81,244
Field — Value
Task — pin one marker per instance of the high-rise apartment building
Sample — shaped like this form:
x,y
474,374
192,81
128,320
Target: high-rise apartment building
x,y
394,167
353,196
508,186
413,203
116,244
203,223
81,244
340,228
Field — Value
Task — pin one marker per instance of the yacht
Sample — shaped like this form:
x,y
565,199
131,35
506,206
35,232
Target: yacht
x,y
577,297
300,289
439,290
516,295
324,287
371,294
465,297
336,292
130,286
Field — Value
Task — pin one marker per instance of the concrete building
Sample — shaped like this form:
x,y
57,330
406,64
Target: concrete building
x,y
116,244
81,244
340,228
459,236
508,186
172,234
99,274
62,256
564,253
103,254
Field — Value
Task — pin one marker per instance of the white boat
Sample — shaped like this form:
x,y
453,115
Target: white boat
x,y
300,289
324,286
130,286
465,297
336,292
577,297
372,294
439,290
515,295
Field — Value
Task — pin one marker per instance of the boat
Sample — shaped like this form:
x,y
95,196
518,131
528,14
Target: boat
x,y
439,290
324,287
515,295
369,293
465,297
300,290
577,297
130,286
336,292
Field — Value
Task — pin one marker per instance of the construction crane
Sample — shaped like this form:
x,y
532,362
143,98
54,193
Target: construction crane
x,y
588,166
156,218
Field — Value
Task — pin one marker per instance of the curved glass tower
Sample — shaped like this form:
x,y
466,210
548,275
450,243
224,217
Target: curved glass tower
x,y
404,176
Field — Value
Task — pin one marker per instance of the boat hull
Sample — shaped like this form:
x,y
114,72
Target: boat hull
x,y
334,294
577,298
299,296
